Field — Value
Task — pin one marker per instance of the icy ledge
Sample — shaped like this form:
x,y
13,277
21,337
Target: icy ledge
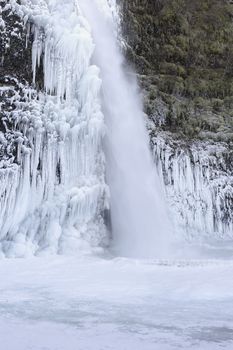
x,y
198,181
53,195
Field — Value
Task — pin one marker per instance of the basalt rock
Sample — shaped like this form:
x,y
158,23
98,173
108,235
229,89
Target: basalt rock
x,y
182,51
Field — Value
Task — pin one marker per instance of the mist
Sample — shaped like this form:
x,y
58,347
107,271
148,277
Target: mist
x,y
139,220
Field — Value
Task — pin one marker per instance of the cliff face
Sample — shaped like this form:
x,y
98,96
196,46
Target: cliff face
x,y
15,75
182,51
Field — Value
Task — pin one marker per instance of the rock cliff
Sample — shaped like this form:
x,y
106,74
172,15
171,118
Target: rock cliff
x,y
182,51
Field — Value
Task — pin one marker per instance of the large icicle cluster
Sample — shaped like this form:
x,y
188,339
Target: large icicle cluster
x,y
199,185
53,195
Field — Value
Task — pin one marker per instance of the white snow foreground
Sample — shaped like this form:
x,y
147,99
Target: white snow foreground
x,y
54,199
65,303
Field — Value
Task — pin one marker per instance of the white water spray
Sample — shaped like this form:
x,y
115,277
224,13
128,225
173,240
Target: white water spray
x,y
140,225
55,198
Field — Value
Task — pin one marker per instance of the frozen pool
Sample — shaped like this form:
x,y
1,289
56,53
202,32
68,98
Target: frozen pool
x,y
65,303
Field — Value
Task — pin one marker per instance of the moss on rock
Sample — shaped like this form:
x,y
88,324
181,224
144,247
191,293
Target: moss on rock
x,y
187,47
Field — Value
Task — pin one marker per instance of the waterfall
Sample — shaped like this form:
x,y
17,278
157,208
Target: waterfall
x,y
54,197
74,148
140,226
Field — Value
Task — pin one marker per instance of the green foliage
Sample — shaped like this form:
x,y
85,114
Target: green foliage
x,y
187,46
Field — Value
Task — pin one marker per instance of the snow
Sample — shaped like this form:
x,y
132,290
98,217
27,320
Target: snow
x,y
98,303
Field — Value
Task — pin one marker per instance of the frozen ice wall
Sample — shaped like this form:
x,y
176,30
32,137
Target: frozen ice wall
x,y
53,192
199,185
53,197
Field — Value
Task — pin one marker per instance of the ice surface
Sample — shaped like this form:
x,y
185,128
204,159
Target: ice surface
x,y
97,304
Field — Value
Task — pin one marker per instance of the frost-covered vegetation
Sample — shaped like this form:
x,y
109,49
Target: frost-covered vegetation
x,y
183,51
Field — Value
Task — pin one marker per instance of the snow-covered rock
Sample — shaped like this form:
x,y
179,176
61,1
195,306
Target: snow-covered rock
x,y
53,195
198,181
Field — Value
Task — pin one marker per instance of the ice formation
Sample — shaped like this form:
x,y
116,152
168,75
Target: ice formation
x,y
54,198
57,191
53,192
199,186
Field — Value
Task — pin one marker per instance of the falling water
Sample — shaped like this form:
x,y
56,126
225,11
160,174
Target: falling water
x,y
54,197
140,226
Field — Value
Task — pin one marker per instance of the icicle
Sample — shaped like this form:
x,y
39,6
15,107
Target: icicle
x,y
200,199
53,200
